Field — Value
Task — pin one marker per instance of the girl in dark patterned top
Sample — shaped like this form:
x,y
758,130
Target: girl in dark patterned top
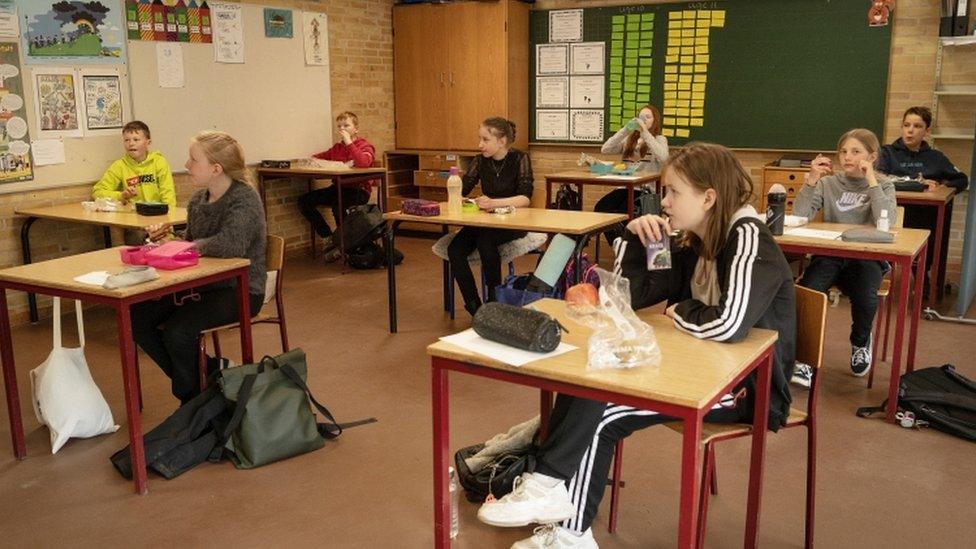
x,y
505,175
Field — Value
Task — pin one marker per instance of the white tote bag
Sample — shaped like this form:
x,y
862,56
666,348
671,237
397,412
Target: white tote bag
x,y
66,398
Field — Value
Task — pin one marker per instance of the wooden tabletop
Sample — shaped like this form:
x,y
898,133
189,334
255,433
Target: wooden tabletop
x,y
323,172
692,371
126,219
941,195
583,176
523,219
59,273
907,241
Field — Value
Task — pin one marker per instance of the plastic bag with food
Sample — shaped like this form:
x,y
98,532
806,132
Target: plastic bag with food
x,y
620,339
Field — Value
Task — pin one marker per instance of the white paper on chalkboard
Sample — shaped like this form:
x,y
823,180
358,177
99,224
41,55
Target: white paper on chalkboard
x,y
552,125
586,92
586,125
587,57
552,92
566,25
551,59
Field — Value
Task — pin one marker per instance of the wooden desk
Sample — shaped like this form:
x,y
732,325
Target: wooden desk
x,y
908,247
341,178
54,277
75,213
580,225
580,178
693,375
940,199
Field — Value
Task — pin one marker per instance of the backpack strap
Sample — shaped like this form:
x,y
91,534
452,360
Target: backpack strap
x,y
329,430
243,395
868,411
962,402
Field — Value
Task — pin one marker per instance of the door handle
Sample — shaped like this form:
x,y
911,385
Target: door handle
x,y
452,79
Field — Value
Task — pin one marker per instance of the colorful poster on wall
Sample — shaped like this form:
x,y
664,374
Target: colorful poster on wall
x,y
9,26
103,103
72,31
277,23
16,163
315,29
56,99
167,21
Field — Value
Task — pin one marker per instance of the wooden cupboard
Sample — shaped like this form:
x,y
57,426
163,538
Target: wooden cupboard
x,y
456,64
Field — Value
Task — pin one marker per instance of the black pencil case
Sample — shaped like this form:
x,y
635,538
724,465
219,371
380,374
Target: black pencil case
x,y
152,208
518,327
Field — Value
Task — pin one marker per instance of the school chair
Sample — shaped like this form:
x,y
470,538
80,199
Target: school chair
x,y
509,251
275,262
811,320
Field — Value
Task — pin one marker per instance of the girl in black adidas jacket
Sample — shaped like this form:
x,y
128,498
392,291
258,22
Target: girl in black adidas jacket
x,y
728,276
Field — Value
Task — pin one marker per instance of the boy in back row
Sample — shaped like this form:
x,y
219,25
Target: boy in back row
x,y
139,176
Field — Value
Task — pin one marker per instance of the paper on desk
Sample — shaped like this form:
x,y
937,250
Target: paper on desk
x,y
795,220
95,278
814,233
471,341
620,177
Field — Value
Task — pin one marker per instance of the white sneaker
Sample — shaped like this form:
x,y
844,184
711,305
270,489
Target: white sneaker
x,y
802,375
530,502
551,536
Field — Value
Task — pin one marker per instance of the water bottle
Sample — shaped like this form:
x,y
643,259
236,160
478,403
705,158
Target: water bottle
x,y
776,209
454,192
883,224
453,492
633,125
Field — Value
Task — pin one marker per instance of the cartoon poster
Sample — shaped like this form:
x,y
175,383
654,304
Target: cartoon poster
x,y
315,28
277,23
103,103
56,99
72,31
16,163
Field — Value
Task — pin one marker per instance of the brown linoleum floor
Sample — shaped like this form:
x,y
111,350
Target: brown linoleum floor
x,y
879,485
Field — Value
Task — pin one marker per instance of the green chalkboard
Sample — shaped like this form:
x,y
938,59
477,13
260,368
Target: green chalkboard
x,y
764,74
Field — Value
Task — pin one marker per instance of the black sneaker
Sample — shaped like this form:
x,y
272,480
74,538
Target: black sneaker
x,y
332,255
802,375
861,359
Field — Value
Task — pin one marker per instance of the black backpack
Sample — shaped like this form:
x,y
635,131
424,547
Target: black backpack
x,y
497,477
941,396
370,256
361,224
567,198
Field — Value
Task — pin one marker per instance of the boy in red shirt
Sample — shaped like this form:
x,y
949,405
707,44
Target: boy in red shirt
x,y
353,150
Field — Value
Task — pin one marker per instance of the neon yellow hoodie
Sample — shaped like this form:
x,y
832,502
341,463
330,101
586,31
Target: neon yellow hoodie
x,y
152,178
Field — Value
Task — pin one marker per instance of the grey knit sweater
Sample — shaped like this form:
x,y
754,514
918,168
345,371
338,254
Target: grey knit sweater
x,y
233,226
847,200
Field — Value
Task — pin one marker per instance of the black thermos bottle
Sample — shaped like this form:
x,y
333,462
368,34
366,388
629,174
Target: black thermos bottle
x,y
776,209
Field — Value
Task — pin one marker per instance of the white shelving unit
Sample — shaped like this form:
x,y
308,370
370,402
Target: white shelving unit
x,y
950,90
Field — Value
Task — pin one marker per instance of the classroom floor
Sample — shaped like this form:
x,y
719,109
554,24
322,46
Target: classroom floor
x,y
879,485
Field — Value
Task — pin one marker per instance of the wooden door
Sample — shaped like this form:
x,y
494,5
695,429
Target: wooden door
x,y
419,76
477,76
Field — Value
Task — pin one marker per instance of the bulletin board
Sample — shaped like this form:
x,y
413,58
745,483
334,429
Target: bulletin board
x,y
764,74
275,104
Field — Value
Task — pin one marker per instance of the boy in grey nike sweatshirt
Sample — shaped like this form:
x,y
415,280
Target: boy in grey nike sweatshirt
x,y
857,195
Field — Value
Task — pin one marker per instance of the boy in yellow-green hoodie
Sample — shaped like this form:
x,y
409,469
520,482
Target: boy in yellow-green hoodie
x,y
140,175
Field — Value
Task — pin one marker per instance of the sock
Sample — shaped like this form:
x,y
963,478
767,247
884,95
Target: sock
x,y
546,480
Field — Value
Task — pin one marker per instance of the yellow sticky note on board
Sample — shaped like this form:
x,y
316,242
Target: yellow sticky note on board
x,y
704,13
684,94
687,32
703,22
667,132
682,112
670,77
683,122
682,133
688,24
718,22
669,95
688,41
671,59
699,103
676,15
690,14
674,51
698,87
701,78
701,48
697,122
688,59
684,86
718,14
701,68
684,78
698,112
674,24
687,69
669,121
702,58
683,104
702,33
698,96
687,50
674,40
670,69
670,86
701,41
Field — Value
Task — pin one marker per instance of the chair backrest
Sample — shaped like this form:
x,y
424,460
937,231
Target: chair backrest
x,y
275,255
811,321
899,217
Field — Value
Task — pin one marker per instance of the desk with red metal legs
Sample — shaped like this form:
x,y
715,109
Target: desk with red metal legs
x,y
55,277
908,248
940,199
693,375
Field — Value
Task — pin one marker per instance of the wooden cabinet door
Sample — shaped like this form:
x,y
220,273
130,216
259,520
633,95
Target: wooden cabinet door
x,y
477,77
420,76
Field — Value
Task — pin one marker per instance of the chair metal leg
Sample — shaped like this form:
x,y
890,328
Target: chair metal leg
x,y
884,348
450,294
216,343
618,455
713,473
704,489
811,480
878,321
202,361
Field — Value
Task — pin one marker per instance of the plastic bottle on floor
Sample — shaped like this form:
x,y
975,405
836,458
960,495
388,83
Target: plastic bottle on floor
x,y
453,492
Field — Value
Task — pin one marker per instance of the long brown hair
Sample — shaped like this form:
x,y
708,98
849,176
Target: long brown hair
x,y
655,130
709,166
